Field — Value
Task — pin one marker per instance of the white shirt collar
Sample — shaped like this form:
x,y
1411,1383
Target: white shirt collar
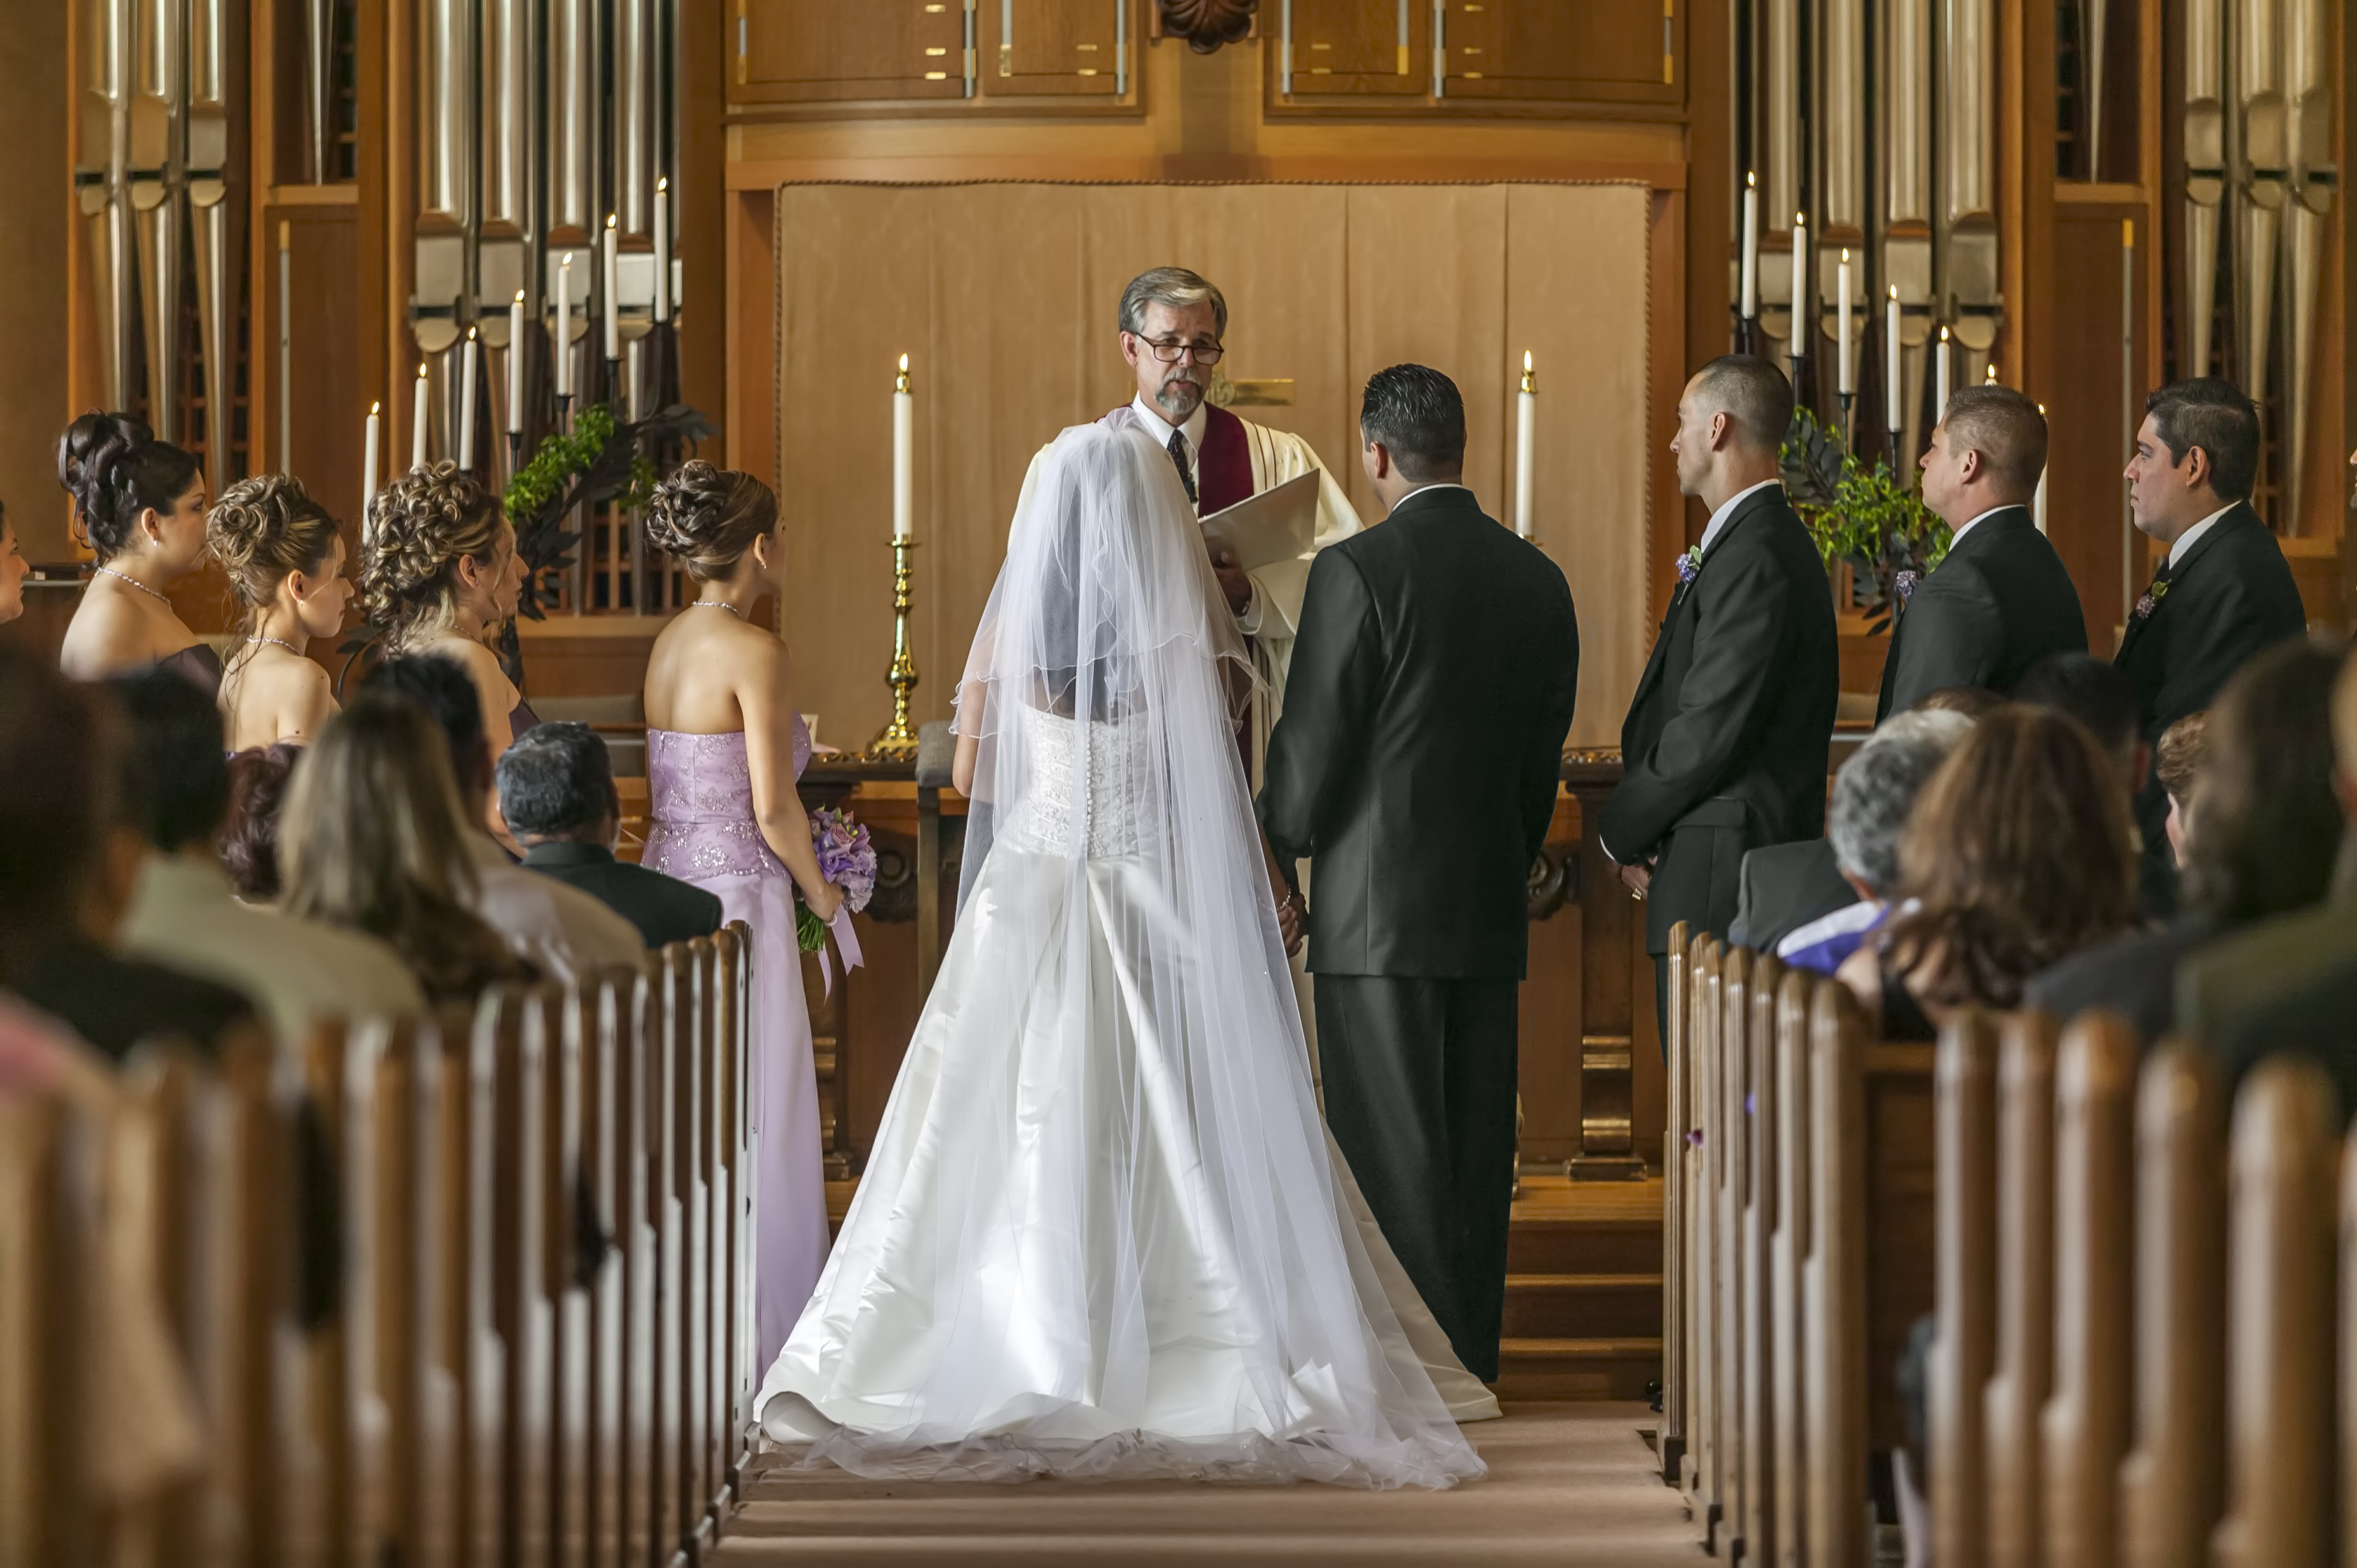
x,y
1958,537
1160,428
2185,539
1421,489
1726,508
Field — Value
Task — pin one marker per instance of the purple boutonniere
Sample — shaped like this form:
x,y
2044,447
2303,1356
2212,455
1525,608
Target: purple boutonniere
x,y
1902,585
1690,565
2150,599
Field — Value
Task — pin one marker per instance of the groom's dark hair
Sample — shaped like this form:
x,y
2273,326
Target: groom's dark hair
x,y
1416,413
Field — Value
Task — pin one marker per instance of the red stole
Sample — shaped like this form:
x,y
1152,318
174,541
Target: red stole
x,y
1223,473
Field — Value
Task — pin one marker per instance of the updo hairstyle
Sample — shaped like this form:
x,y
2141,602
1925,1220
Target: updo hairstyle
x,y
419,527
265,527
709,517
114,469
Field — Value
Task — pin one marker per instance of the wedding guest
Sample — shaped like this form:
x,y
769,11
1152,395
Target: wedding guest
x,y
556,790
2000,601
2019,852
2176,762
2084,688
2270,826
67,868
2223,592
183,912
286,561
248,841
139,506
562,932
1873,794
12,569
441,575
376,840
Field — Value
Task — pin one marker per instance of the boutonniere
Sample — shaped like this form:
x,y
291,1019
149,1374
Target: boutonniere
x,y
1690,565
2150,600
1902,585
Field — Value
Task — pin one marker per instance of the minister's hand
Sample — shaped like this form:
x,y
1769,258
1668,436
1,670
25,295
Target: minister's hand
x,y
1233,580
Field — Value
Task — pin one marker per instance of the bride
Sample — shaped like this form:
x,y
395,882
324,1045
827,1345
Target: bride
x,y
1103,1232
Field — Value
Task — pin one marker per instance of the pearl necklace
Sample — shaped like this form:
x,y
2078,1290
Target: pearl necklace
x,y
126,578
278,641
715,605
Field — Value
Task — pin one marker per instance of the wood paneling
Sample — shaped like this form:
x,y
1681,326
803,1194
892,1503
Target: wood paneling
x,y
832,50
1056,46
2093,402
35,223
1607,51
1375,47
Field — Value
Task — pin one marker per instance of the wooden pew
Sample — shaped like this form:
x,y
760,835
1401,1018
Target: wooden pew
x,y
1730,1046
2348,1351
1675,1391
2084,1428
2021,1373
2280,1318
1703,1261
1962,1358
1752,1017
737,1377
2172,1482
48,1198
1788,1126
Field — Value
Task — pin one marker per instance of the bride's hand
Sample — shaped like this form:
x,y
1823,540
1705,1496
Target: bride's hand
x,y
1288,924
825,901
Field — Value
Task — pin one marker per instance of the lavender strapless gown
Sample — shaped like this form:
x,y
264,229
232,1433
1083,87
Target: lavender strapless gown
x,y
703,831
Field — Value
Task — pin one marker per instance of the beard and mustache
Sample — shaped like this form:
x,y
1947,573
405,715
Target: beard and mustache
x,y
1180,394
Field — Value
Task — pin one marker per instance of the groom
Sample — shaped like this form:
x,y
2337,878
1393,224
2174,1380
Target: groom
x,y
1416,762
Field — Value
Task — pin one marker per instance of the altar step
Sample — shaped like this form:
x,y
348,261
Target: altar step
x,y
1583,1316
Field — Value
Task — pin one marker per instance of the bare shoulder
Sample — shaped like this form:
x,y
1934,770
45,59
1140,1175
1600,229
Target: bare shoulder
x,y
107,633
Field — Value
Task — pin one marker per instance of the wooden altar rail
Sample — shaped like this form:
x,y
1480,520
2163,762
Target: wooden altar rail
x,y
475,1289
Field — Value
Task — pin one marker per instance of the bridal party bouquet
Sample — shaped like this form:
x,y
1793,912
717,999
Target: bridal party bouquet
x,y
847,857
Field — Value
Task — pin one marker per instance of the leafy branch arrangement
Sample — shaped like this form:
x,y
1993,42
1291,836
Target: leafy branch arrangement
x,y
1867,518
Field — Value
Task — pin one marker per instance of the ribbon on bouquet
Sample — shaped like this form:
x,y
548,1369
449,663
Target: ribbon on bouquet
x,y
846,942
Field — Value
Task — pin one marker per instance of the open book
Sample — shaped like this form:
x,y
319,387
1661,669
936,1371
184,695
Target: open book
x,y
1275,525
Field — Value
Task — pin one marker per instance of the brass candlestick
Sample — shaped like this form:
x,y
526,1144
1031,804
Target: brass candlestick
x,y
898,739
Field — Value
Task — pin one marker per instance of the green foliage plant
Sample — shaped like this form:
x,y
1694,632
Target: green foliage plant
x,y
1870,518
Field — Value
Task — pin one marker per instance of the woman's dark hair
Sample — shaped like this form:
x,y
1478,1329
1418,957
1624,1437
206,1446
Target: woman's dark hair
x,y
114,469
175,779
709,517
56,804
248,842
2267,825
2019,852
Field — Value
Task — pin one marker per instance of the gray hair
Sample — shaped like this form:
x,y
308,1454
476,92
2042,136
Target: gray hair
x,y
1173,286
1876,788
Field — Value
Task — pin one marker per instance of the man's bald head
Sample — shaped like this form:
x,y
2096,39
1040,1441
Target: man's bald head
x,y
1751,393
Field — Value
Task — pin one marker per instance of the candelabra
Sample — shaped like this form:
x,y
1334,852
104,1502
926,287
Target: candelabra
x,y
898,740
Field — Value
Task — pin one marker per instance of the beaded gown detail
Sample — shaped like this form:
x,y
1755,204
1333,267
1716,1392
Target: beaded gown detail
x,y
703,831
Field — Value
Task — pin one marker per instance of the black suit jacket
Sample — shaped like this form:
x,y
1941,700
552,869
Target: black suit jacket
x,y
2133,975
2232,596
664,909
1785,887
1999,603
2314,1017
1418,756
1726,743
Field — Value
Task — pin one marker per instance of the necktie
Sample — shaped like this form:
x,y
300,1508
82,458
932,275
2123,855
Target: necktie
x,y
1186,473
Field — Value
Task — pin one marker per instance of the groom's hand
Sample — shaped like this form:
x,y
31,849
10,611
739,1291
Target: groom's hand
x,y
1290,912
1636,878
1233,582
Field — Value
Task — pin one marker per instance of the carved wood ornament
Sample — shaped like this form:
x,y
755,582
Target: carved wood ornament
x,y
1208,23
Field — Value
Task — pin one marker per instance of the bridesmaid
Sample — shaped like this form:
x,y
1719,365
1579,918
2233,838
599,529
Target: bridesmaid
x,y
139,504
285,560
725,744
13,568
439,574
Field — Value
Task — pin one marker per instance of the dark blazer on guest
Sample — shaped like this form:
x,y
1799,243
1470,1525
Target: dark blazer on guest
x,y
1417,759
1997,605
1785,887
664,909
2232,596
1726,743
114,1002
2133,974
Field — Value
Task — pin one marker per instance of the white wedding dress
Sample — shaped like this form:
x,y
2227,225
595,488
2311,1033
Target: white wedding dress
x,y
1102,1232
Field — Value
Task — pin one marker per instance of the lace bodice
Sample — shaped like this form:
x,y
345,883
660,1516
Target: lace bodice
x,y
699,797
1116,800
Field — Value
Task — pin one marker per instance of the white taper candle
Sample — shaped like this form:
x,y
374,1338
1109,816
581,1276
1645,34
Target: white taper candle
x,y
613,289
662,249
417,422
368,462
467,400
904,454
1526,418
563,345
1893,395
1940,372
1750,307
1847,383
2037,502
515,365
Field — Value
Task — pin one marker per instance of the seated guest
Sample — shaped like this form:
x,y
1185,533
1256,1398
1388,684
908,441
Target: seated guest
x,y
562,932
248,841
67,866
2265,842
556,790
1872,796
2177,763
175,785
2101,698
2020,853
376,840
1784,887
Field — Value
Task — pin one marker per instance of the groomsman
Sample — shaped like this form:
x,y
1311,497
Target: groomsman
x,y
2222,594
2000,602
1725,742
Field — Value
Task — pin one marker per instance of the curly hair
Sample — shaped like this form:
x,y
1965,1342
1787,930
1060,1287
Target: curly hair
x,y
419,527
263,529
709,517
2019,852
248,842
2268,823
114,469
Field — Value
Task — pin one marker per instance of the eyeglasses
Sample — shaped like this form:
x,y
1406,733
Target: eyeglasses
x,y
1205,354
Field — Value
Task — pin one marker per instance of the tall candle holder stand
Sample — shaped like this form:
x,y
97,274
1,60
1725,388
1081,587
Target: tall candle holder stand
x,y
1849,430
898,740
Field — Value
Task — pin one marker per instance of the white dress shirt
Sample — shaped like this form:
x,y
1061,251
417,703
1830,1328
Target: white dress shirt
x,y
2185,539
1162,429
1727,509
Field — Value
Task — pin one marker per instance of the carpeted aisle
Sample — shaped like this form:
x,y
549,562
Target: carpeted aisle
x,y
1569,1485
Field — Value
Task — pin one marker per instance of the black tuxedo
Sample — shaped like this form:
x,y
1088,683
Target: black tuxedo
x,y
664,909
1996,606
2229,596
1416,762
1726,744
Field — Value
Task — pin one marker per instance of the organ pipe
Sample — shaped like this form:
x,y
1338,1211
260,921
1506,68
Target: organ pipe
x,y
2205,174
2262,177
2307,82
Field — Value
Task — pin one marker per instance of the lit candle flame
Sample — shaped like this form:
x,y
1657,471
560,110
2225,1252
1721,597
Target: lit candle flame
x,y
1752,177
373,407
1845,255
421,369
519,296
904,364
609,221
662,183
470,334
1944,333
1527,359
1894,291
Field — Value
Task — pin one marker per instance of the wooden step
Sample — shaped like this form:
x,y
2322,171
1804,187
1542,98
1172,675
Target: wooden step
x,y
1584,1246
1583,1305
1613,1368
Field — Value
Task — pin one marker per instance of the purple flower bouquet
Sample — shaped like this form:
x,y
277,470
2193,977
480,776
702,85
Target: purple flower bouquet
x,y
847,857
